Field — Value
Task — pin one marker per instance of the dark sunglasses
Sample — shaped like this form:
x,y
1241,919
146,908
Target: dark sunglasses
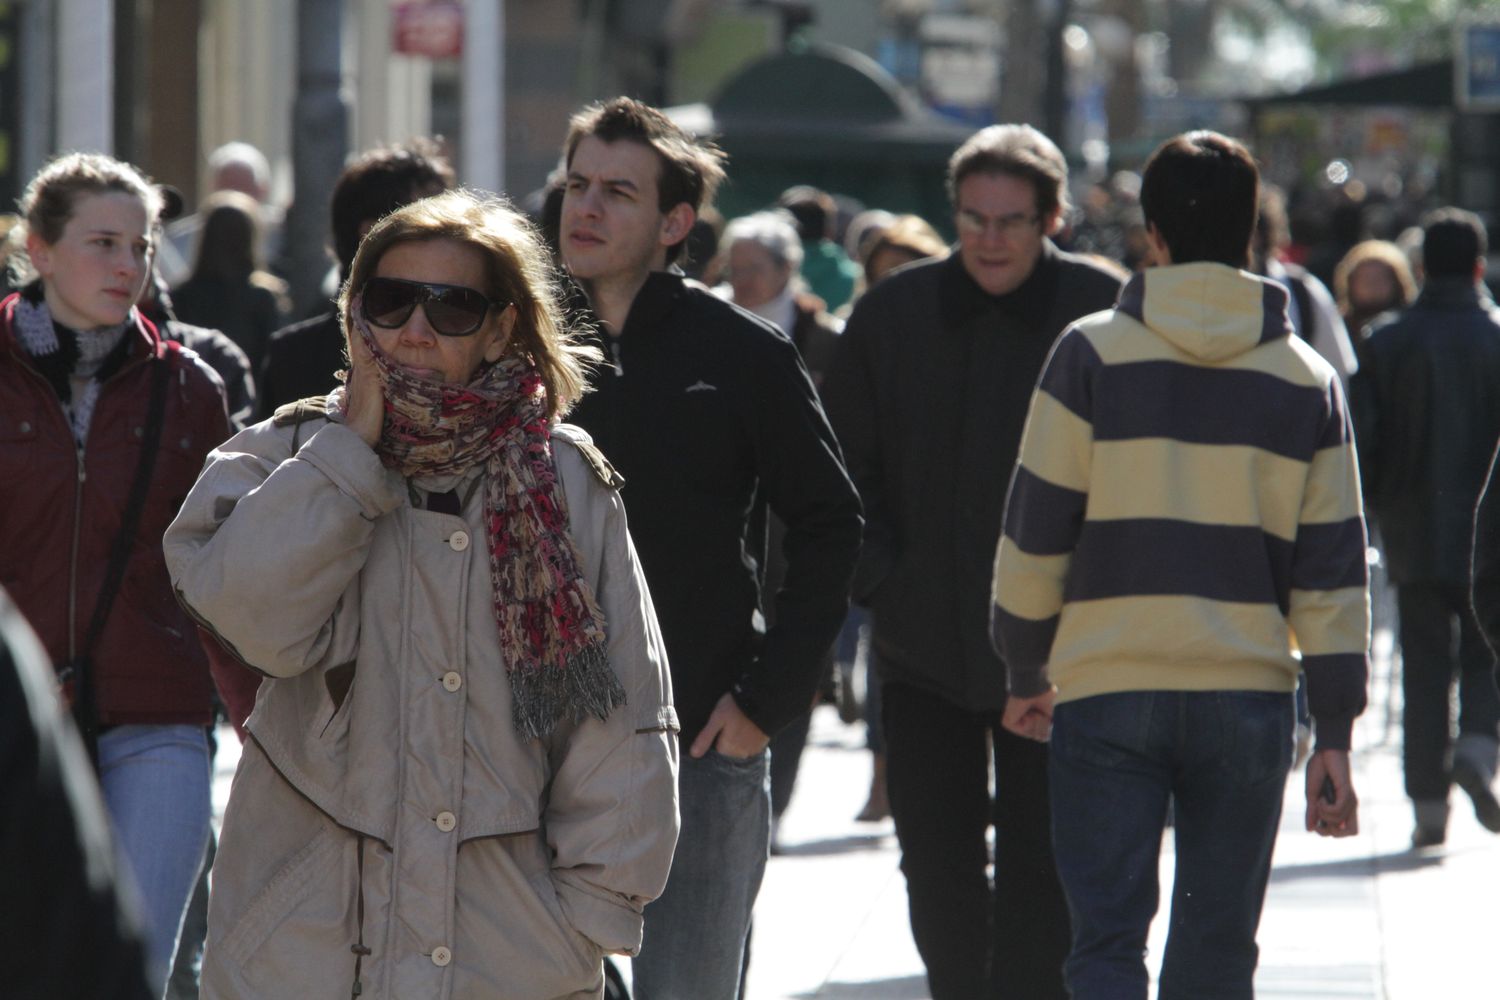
x,y
451,310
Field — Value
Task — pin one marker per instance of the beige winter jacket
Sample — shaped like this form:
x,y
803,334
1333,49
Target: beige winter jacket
x,y
383,775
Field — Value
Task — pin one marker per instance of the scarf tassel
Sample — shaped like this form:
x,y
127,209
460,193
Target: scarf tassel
x,y
584,685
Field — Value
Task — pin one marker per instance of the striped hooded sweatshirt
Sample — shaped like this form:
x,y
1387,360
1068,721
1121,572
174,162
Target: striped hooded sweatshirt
x,y
1185,513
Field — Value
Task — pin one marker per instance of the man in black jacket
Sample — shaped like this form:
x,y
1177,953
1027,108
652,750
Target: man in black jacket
x,y
928,394
1427,417
711,418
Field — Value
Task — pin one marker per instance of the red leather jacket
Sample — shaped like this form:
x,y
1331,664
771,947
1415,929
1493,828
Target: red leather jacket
x,y
60,510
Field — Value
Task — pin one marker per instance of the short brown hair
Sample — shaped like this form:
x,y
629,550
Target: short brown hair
x,y
518,269
691,169
1019,151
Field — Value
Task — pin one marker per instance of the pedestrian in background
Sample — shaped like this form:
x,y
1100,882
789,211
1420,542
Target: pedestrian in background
x,y
429,554
1428,418
1186,499
1373,278
228,289
105,426
928,396
302,359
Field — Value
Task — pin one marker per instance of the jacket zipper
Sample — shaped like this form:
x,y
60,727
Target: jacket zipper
x,y
73,555
79,451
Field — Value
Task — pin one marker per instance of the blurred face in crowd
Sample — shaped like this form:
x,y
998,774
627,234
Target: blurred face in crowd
x,y
755,274
414,344
613,228
999,230
98,268
1373,286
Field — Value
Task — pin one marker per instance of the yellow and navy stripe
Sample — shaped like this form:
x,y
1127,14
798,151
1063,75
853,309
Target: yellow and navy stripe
x,y
1179,522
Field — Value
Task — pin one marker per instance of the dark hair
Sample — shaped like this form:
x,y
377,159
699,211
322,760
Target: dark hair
x,y
231,230
1020,151
380,181
812,208
1200,190
1452,240
691,169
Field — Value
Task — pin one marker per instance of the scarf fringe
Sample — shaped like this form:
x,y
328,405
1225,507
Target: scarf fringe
x,y
585,685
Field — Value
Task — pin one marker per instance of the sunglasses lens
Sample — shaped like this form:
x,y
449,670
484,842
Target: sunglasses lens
x,y
456,312
388,303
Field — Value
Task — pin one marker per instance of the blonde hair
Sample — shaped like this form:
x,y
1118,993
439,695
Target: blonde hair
x,y
1380,252
518,269
907,234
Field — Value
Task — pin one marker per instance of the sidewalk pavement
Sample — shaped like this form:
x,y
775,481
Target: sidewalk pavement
x,y
1358,919
1363,918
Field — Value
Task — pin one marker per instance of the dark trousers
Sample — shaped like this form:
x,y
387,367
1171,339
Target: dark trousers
x,y
1440,638
978,941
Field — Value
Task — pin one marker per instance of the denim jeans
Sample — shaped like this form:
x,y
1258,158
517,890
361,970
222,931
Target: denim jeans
x,y
693,945
1117,761
156,785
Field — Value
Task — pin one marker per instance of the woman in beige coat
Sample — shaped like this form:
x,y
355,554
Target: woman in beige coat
x,y
461,776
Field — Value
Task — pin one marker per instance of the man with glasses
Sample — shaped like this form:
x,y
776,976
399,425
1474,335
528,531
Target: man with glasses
x,y
710,416
928,395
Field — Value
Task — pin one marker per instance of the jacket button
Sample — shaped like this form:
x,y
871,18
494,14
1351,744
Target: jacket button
x,y
452,680
441,956
140,432
26,427
446,821
458,541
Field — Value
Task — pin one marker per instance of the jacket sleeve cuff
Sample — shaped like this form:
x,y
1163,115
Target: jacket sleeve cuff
x,y
613,926
352,466
1026,683
1334,732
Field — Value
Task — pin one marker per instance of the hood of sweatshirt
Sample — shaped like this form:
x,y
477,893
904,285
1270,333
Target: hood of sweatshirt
x,y
1211,311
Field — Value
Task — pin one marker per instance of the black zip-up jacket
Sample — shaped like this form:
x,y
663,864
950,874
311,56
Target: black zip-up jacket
x,y
928,393
1426,403
710,417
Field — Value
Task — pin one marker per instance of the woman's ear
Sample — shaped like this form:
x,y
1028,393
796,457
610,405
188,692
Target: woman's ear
x,y
507,327
40,254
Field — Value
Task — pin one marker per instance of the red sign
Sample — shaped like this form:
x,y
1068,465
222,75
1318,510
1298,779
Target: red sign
x,y
434,30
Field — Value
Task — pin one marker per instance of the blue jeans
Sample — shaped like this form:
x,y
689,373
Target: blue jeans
x,y
1117,761
693,945
155,781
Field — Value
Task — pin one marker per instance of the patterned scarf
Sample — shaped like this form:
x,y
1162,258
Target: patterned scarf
x,y
551,628
62,354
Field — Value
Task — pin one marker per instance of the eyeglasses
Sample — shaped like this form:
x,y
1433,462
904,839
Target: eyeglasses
x,y
974,224
451,310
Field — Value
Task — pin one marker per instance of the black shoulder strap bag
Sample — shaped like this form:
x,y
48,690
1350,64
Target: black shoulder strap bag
x,y
76,677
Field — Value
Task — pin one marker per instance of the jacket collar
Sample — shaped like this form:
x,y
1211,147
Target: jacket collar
x,y
655,300
962,300
1454,293
143,335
